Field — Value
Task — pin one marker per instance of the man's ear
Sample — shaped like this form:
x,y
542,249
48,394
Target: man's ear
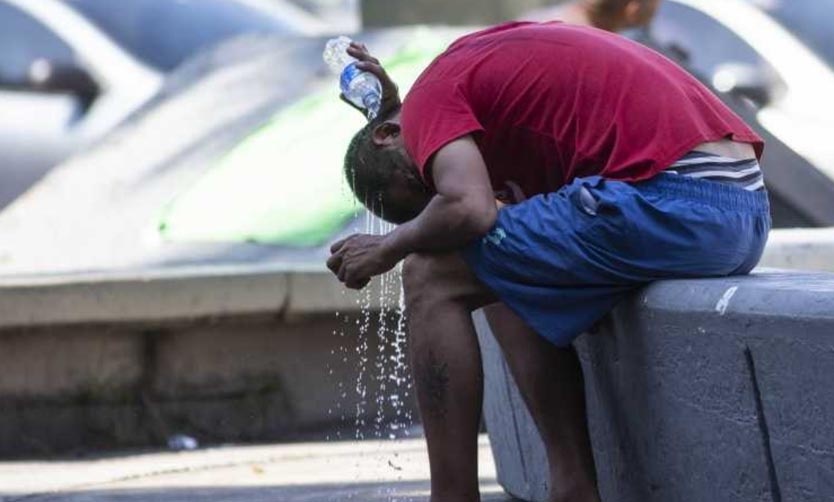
x,y
386,134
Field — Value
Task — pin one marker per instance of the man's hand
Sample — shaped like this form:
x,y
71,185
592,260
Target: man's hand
x,y
370,64
360,257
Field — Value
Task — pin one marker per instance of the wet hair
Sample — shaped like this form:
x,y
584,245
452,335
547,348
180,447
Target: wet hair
x,y
370,169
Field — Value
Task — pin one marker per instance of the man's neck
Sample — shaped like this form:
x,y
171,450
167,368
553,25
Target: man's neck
x,y
592,16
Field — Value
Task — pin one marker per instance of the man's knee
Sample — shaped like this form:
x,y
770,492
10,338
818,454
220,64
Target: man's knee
x,y
420,278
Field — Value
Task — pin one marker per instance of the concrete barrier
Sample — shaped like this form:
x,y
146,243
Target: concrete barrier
x,y
698,390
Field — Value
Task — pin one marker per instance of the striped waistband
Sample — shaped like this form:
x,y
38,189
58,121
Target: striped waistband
x,y
746,174
722,195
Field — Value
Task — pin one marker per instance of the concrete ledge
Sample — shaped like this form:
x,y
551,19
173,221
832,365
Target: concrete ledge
x,y
180,294
697,390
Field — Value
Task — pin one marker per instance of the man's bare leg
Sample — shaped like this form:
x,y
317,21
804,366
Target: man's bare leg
x,y
440,294
551,383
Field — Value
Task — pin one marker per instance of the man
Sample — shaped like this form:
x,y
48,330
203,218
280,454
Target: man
x,y
609,15
614,168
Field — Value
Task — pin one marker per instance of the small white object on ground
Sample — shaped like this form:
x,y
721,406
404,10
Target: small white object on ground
x,y
181,442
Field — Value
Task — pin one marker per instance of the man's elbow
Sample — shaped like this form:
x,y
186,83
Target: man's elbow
x,y
481,218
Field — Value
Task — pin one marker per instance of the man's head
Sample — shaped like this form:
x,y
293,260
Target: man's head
x,y
625,14
382,175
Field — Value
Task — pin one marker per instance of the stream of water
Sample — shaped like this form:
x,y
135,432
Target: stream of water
x,y
373,341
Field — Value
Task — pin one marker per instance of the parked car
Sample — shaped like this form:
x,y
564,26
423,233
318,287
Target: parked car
x,y
773,61
72,70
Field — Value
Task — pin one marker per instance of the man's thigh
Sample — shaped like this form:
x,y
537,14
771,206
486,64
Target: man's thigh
x,y
444,277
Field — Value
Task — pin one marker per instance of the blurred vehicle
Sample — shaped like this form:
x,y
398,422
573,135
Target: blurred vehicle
x,y
72,70
777,57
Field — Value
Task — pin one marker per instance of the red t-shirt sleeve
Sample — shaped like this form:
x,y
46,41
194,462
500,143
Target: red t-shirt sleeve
x,y
435,114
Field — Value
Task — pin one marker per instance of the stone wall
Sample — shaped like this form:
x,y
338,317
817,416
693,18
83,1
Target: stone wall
x,y
254,378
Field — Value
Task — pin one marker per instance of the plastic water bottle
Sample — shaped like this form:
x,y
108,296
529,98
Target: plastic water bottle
x,y
359,87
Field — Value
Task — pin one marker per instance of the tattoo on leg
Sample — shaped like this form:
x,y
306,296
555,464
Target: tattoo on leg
x,y
433,375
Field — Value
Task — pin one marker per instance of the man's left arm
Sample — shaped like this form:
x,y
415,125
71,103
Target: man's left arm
x,y
463,209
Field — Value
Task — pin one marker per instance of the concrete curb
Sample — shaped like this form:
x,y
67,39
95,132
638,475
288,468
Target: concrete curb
x,y
697,390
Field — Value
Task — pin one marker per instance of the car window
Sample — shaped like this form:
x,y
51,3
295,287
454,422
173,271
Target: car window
x,y
812,21
164,33
24,40
705,43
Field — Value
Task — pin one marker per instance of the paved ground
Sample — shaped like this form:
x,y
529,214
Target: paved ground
x,y
393,471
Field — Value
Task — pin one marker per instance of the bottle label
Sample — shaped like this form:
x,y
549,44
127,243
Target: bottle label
x,y
350,72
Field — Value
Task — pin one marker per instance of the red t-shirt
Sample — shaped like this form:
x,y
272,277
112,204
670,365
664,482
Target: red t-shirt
x,y
547,103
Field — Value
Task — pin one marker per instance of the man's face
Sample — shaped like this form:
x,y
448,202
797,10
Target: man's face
x,y
407,191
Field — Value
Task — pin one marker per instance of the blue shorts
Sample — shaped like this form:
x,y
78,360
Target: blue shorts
x,y
563,260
